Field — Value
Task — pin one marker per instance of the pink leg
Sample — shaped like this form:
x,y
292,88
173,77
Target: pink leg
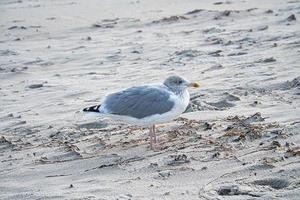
x,y
154,136
151,137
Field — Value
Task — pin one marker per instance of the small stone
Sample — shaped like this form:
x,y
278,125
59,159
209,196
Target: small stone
x,y
275,144
207,126
291,18
228,190
267,60
166,193
194,11
218,3
22,122
34,86
215,155
269,11
164,174
226,13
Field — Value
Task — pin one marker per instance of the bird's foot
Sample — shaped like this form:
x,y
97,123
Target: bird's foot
x,y
162,141
158,145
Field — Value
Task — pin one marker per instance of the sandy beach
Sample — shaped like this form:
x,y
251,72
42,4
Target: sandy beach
x,y
238,139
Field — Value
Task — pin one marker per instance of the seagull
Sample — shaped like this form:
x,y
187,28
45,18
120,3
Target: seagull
x,y
147,105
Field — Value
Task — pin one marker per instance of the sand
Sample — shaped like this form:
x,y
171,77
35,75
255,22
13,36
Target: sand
x,y
239,138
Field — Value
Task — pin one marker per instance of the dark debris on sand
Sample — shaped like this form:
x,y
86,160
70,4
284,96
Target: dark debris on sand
x,y
194,11
276,183
246,127
35,86
171,19
177,159
291,18
230,190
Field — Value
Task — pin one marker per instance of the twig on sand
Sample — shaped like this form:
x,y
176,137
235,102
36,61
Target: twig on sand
x,y
58,175
118,162
203,187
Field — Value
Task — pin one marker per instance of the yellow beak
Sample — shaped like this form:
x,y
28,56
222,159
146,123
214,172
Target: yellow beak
x,y
195,85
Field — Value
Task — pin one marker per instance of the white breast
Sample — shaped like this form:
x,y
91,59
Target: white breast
x,y
181,102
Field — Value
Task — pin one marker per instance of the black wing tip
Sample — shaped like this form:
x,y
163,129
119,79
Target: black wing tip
x,y
92,109
86,110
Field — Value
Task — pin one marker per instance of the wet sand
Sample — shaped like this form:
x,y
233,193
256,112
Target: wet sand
x,y
239,138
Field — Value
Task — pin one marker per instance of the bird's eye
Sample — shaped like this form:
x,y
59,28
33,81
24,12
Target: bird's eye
x,y
179,82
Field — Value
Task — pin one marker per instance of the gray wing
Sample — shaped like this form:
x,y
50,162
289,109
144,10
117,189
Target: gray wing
x,y
139,102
